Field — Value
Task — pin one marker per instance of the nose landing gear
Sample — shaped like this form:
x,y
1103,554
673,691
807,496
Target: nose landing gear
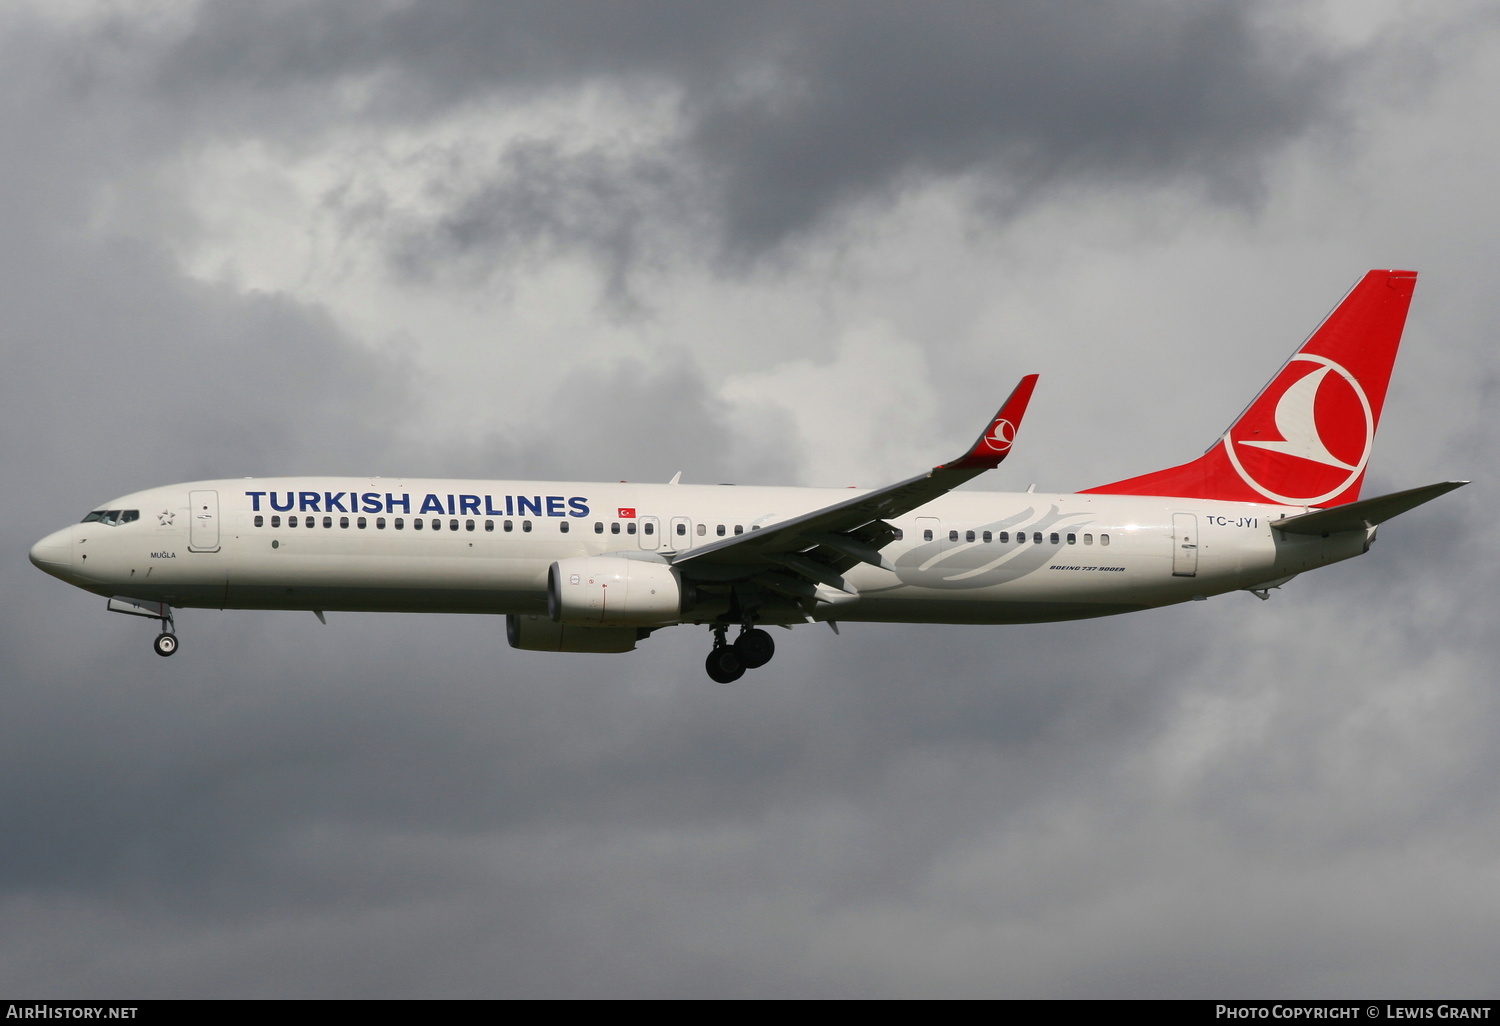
x,y
728,662
166,642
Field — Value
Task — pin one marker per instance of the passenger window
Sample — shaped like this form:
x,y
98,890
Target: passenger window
x,y
1052,538
900,535
630,527
468,525
1088,539
953,536
598,527
719,530
291,521
275,521
260,521
343,522
1036,537
400,523
681,530
453,525
1072,539
650,527
614,527
988,537
510,525
416,523
702,530
563,527
526,525
1104,539
1005,537
927,535
968,536
437,525
328,522
738,529
361,523
380,523
489,525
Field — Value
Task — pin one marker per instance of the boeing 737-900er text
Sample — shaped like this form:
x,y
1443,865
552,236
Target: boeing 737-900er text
x,y
599,567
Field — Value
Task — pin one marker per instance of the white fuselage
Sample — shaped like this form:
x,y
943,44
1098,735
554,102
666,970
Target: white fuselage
x,y
486,546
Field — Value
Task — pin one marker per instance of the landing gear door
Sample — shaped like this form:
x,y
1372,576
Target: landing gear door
x,y
203,521
1184,545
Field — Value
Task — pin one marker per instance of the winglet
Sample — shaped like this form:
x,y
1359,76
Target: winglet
x,y
994,444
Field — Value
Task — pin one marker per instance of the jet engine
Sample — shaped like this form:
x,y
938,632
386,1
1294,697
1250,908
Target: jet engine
x,y
610,591
539,634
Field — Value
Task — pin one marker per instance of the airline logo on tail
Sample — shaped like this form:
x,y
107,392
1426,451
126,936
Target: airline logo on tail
x,y
1001,436
1310,432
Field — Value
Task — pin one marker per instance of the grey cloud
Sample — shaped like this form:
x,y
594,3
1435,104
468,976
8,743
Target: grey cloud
x,y
1288,797
790,115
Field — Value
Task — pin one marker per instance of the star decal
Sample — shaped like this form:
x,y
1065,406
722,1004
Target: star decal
x,y
165,518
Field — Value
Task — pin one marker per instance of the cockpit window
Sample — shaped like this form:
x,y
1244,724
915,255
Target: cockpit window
x,y
112,517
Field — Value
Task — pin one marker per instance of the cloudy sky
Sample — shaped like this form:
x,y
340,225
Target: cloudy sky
x,y
766,243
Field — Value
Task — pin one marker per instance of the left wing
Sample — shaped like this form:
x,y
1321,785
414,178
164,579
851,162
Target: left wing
x,y
794,556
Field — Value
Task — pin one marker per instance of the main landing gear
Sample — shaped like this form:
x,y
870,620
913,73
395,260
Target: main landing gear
x,y
728,662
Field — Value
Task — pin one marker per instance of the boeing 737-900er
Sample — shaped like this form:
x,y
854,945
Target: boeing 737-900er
x,y
599,567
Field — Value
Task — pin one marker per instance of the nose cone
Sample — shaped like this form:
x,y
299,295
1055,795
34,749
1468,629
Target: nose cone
x,y
54,553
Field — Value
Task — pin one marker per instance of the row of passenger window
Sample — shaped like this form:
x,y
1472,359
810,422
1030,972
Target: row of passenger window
x,y
1004,537
648,527
398,523
436,524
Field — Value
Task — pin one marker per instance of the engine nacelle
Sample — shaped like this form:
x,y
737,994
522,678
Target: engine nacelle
x,y
610,591
539,634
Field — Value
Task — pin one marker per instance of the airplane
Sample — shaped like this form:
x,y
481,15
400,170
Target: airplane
x,y
600,567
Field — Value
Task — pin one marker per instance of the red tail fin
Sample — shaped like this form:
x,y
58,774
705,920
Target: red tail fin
x,y
1306,438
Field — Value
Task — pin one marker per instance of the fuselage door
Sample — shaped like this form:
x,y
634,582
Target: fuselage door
x,y
203,521
679,535
650,533
929,529
1184,545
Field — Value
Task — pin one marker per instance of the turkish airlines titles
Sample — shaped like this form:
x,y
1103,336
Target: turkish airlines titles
x,y
449,505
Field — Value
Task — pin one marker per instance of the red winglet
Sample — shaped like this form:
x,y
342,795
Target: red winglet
x,y
994,444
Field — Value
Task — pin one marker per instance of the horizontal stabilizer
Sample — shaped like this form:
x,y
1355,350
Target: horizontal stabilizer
x,y
1357,516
